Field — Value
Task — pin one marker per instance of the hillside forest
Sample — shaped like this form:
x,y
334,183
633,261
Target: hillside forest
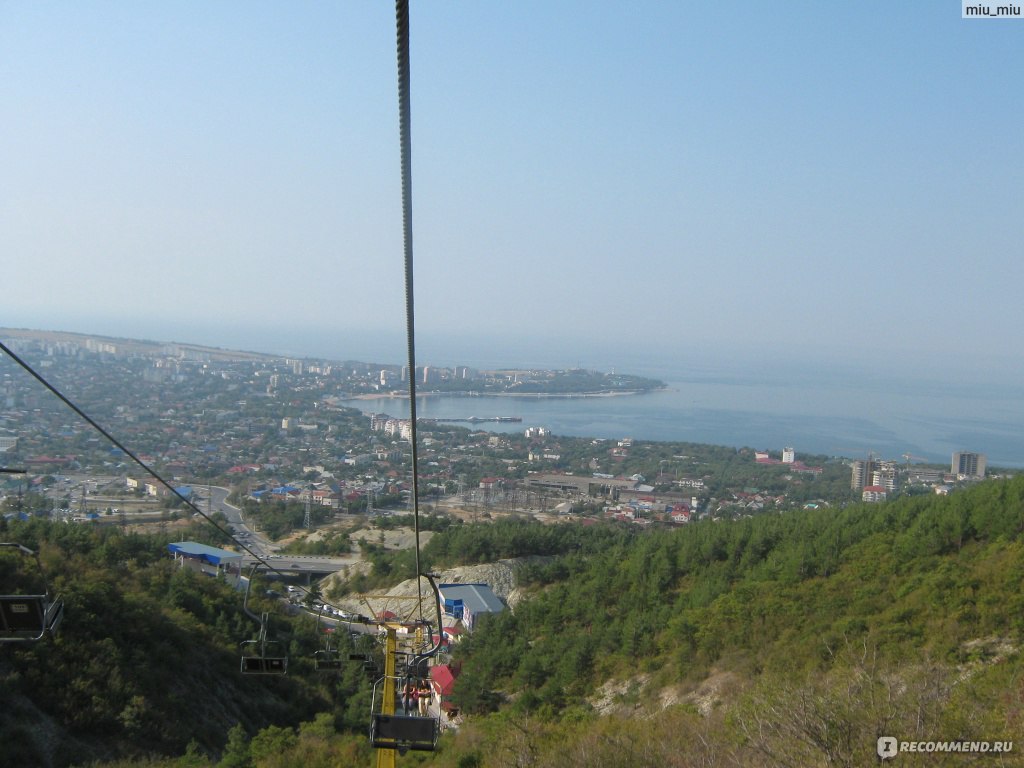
x,y
784,639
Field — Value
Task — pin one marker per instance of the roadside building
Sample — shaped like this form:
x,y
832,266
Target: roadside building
x,y
206,559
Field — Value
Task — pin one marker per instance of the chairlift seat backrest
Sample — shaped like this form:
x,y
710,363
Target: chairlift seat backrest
x,y
327,661
28,617
419,669
403,732
265,665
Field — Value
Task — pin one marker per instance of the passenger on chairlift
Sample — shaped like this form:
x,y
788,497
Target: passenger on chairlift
x,y
414,699
423,697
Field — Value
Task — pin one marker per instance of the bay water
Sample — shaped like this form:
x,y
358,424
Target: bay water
x,y
824,415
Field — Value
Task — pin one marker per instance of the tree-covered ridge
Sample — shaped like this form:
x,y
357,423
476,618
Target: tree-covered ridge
x,y
147,658
921,575
816,631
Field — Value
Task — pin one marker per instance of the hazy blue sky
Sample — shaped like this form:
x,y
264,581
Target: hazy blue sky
x,y
802,176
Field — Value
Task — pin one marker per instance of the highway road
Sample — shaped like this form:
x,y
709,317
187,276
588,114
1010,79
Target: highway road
x,y
263,547
217,502
312,564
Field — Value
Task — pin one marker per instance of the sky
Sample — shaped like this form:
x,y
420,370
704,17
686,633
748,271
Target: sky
x,y
829,181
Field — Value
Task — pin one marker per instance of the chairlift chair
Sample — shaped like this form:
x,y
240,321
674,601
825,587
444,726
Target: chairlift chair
x,y
327,659
403,732
264,665
260,663
28,618
400,730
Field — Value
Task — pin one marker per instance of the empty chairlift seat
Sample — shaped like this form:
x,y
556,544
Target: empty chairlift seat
x,y
28,617
327,661
265,665
255,658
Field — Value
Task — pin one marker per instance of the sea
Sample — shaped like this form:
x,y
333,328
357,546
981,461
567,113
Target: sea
x,y
918,413
917,407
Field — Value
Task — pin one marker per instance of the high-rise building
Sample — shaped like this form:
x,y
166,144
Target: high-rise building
x,y
860,477
788,455
886,475
966,464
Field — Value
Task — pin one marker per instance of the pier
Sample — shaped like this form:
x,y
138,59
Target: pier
x,y
478,419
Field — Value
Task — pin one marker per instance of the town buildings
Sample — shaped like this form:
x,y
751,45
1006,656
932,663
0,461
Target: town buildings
x,y
968,465
263,423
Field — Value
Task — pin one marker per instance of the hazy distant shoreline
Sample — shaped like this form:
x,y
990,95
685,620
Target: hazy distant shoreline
x,y
153,347
823,411
564,395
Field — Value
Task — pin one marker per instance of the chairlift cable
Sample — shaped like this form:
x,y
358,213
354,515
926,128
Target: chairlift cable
x,y
390,733
405,140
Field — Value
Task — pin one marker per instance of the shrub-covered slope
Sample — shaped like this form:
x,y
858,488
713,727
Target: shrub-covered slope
x,y
145,662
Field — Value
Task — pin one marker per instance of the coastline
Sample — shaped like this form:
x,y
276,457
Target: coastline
x,y
535,395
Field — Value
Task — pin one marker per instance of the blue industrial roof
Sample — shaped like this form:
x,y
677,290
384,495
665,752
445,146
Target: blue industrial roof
x,y
477,597
207,554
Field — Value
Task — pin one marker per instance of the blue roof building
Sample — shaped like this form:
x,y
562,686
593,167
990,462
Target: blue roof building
x,y
206,559
468,601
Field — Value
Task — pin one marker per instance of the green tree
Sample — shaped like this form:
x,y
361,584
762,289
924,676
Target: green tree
x,y
236,752
271,742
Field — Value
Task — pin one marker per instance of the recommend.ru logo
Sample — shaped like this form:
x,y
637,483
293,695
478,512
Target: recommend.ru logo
x,y
888,747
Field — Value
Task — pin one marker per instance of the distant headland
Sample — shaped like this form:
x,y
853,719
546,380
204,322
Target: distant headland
x,y
369,379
